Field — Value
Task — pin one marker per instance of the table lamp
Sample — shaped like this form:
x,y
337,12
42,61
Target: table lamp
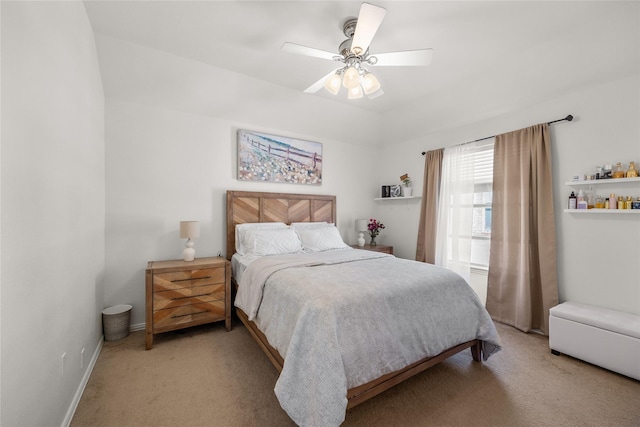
x,y
361,227
189,230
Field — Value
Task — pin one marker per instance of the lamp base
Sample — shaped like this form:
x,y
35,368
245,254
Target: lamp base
x,y
361,239
189,254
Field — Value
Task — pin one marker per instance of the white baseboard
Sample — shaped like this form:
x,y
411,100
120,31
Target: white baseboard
x,y
85,379
87,374
137,327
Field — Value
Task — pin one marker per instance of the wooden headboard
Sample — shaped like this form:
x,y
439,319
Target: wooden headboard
x,y
251,206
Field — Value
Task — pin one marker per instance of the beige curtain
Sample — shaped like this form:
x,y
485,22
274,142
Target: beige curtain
x,y
426,247
522,283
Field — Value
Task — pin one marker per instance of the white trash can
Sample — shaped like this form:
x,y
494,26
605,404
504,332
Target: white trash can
x,y
115,322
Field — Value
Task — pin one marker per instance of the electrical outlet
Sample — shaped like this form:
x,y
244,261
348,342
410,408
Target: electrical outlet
x,y
63,356
82,358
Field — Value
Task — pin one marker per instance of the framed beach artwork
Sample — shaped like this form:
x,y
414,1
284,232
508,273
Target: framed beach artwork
x,y
269,158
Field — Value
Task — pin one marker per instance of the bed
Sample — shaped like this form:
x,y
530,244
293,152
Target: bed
x,y
341,325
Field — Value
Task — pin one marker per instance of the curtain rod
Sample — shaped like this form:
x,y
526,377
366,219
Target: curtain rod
x,y
568,118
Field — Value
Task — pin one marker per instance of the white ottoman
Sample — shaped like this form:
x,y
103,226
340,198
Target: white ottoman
x,y
607,338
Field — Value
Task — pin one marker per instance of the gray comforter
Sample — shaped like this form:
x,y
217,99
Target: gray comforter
x,y
343,318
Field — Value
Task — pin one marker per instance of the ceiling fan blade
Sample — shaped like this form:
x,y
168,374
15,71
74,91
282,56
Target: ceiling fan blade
x,y
369,20
320,83
410,58
308,51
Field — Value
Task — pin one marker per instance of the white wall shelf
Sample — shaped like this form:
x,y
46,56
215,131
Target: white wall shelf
x,y
603,211
611,181
397,198
602,181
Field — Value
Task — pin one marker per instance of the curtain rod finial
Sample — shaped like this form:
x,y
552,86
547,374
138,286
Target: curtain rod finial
x,y
569,117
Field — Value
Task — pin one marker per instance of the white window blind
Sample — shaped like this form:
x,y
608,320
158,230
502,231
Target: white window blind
x,y
483,163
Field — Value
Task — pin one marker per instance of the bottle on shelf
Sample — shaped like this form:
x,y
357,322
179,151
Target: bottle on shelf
x,y
573,201
600,202
620,202
628,204
632,172
599,172
591,198
582,200
619,172
613,203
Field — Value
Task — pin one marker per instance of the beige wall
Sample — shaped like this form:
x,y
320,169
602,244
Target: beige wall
x,y
53,209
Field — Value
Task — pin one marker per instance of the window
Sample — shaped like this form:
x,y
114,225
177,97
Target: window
x,y
482,198
464,213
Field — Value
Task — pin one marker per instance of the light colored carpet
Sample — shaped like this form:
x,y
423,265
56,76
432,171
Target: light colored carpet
x,y
206,376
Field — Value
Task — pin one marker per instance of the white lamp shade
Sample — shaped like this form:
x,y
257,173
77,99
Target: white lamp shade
x,y
332,84
370,83
351,78
355,93
189,229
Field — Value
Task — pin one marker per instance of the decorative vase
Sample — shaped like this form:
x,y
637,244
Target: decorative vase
x,y
407,191
373,241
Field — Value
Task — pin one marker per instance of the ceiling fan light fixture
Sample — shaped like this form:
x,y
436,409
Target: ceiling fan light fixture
x,y
355,92
353,54
351,78
332,84
370,83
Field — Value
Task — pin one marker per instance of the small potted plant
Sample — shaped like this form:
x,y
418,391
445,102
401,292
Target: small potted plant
x,y
407,190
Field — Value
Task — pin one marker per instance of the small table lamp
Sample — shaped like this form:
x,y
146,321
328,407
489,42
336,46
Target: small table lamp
x,y
189,230
361,227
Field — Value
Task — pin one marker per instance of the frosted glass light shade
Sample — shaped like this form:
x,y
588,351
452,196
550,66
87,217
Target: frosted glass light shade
x,y
351,78
370,83
332,84
355,92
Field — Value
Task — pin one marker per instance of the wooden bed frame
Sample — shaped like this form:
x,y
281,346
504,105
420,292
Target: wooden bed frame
x,y
245,206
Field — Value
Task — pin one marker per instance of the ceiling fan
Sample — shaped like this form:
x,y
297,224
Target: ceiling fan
x,y
354,56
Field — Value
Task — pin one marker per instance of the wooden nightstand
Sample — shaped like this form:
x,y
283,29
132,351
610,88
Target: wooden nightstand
x,y
181,293
376,248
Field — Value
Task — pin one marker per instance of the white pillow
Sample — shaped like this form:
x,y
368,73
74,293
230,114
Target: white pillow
x,y
299,225
271,242
242,228
321,239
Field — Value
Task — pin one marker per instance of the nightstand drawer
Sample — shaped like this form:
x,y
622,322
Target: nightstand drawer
x,y
187,278
188,314
186,296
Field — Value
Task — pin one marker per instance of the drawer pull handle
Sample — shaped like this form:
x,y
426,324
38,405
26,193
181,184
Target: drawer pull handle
x,y
191,296
189,314
192,278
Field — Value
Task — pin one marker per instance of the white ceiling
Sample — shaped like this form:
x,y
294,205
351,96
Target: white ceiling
x,y
486,54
